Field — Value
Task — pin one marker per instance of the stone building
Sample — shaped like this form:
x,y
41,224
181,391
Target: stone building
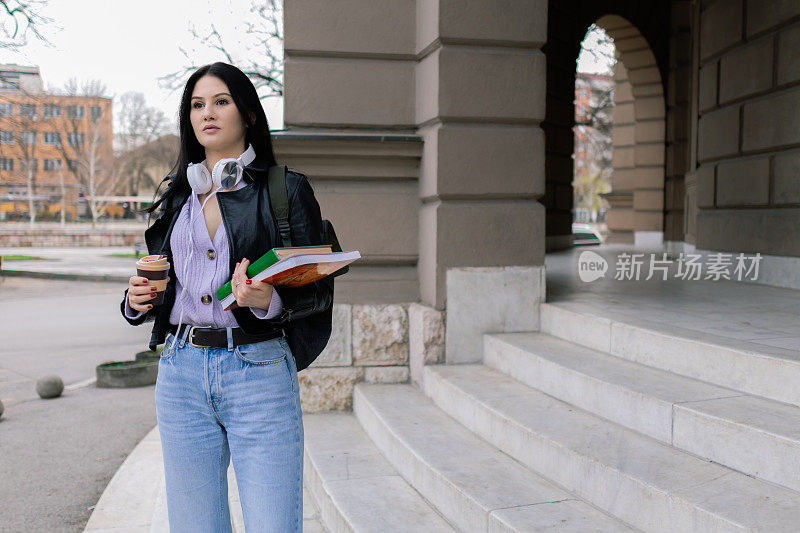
x,y
489,390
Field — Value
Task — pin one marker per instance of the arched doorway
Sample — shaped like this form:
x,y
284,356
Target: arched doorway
x,y
638,196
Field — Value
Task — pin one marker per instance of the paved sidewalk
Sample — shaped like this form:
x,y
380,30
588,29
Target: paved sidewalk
x,y
135,499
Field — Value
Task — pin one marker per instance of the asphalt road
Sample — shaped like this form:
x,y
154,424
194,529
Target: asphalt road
x,y
58,455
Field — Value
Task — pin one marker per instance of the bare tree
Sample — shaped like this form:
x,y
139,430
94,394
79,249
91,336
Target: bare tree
x,y
139,125
594,105
81,143
26,149
144,167
263,67
17,17
95,168
600,46
93,87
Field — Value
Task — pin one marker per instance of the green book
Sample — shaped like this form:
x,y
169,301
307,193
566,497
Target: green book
x,y
269,259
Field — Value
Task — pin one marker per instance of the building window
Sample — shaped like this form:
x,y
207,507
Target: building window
x,y
53,138
52,164
27,138
6,137
6,163
23,164
95,112
52,111
75,111
27,110
6,109
9,80
75,139
72,164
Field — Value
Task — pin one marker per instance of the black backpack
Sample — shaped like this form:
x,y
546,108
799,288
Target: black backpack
x,y
307,336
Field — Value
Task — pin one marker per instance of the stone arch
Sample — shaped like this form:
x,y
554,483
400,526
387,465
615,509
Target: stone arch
x,y
567,22
636,199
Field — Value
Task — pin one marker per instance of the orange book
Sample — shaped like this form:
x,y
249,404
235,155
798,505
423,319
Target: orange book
x,y
297,270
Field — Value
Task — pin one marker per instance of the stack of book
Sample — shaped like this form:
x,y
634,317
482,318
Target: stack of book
x,y
290,267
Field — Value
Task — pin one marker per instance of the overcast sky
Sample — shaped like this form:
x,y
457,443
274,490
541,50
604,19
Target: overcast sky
x,y
602,60
128,45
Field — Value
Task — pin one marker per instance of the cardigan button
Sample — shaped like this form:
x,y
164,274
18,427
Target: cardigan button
x,y
211,254
206,299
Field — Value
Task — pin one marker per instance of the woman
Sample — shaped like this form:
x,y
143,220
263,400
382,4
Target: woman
x,y
229,389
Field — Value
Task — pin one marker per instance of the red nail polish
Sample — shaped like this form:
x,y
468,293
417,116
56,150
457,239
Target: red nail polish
x,y
149,306
145,280
249,281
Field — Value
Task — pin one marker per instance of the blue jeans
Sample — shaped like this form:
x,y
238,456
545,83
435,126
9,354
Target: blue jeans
x,y
240,403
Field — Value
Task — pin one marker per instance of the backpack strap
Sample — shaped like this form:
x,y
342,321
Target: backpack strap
x,y
279,199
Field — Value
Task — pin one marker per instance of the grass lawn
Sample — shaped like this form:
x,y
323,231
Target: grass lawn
x,y
17,257
128,255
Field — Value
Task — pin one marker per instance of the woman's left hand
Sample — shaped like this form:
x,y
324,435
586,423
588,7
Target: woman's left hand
x,y
249,293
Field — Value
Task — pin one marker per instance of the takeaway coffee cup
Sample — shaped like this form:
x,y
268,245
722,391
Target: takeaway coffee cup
x,y
156,269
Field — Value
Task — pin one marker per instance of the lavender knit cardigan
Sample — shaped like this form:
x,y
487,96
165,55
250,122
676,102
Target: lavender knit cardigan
x,y
208,271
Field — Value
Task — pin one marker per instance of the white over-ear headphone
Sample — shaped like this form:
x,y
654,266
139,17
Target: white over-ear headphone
x,y
226,173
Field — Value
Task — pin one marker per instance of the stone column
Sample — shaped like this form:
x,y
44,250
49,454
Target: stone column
x,y
619,218
480,98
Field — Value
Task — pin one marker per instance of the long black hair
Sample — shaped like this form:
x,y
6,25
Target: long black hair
x,y
247,102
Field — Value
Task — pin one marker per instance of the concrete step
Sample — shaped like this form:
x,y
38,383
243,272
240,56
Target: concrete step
x,y
743,366
638,479
474,485
354,486
754,435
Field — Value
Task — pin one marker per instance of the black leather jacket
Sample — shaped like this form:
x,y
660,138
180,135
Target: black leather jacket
x,y
252,231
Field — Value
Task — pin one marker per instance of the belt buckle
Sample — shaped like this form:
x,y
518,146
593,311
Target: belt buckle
x,y
190,337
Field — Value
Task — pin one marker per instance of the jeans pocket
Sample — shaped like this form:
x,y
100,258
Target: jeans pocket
x,y
261,353
168,351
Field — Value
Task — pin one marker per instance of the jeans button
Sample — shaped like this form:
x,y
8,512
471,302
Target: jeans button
x,y
206,299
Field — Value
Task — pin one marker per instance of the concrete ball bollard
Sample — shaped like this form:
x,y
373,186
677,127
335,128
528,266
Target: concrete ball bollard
x,y
49,386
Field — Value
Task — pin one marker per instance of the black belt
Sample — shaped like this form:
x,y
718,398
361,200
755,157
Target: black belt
x,y
208,337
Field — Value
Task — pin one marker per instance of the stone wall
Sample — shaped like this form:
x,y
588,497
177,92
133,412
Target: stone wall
x,y
369,342
748,181
51,234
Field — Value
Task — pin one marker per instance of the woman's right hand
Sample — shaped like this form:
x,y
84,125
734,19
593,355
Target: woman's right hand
x,y
139,293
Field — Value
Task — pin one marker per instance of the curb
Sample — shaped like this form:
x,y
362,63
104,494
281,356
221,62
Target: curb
x,y
136,500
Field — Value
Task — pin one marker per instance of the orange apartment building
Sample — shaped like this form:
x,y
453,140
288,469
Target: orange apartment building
x,y
52,140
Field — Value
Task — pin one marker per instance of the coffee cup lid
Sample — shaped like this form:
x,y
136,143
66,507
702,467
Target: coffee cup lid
x,y
152,260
